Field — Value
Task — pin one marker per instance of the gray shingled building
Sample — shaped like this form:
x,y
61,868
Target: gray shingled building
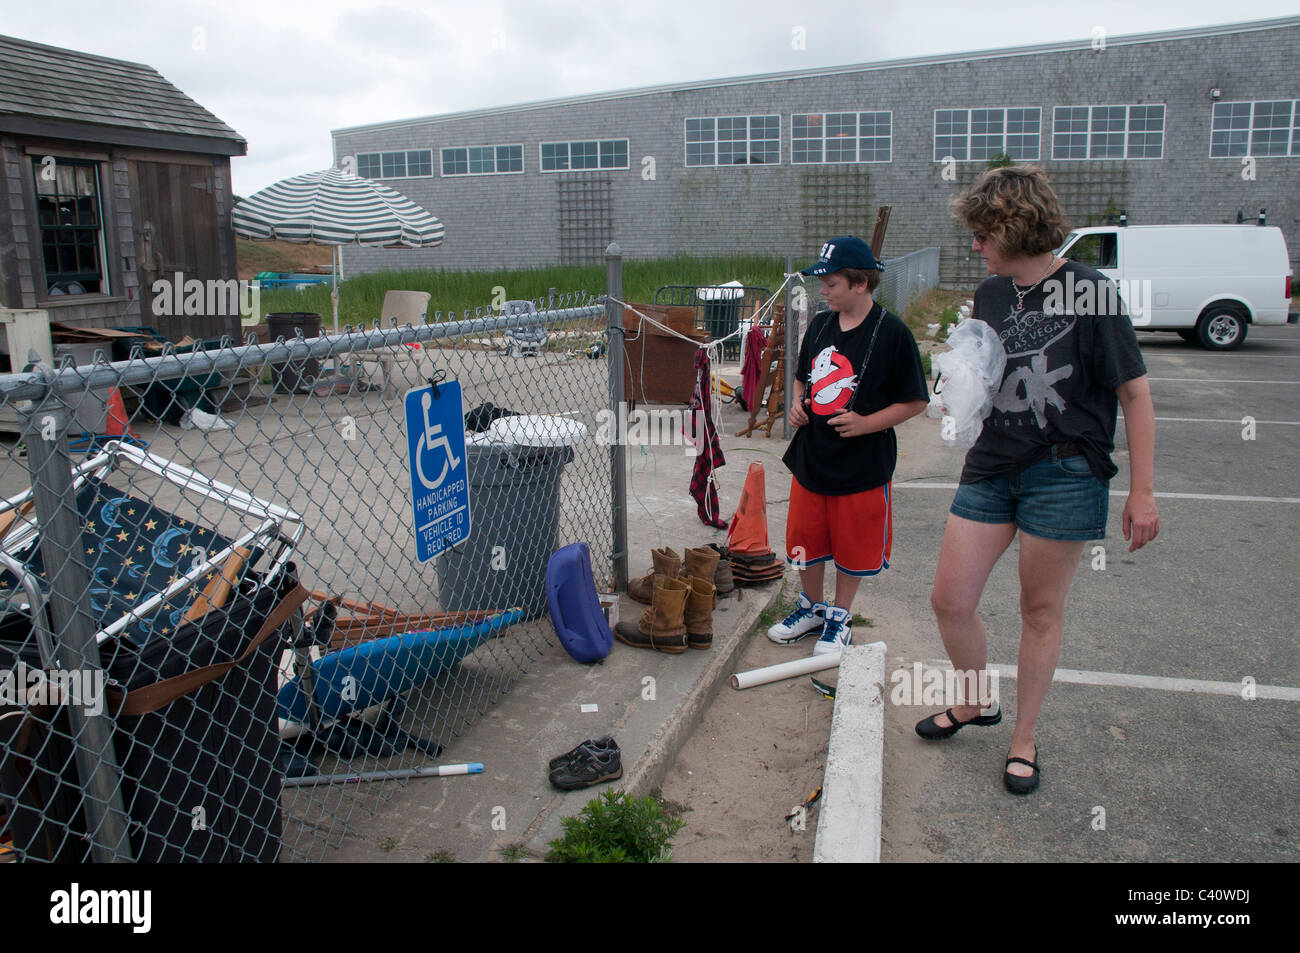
x,y
1194,125
110,179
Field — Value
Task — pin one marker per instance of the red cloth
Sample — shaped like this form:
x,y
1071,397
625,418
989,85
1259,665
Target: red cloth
x,y
755,344
705,436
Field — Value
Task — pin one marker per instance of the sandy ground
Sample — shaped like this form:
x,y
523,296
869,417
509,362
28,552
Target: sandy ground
x,y
754,758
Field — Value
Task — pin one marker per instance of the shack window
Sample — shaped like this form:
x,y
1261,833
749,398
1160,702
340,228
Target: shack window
x,y
70,220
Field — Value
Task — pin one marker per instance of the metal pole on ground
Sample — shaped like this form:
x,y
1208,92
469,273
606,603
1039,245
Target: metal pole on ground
x,y
45,434
617,452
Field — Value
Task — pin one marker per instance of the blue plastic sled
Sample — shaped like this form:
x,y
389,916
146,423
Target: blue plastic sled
x,y
382,668
575,607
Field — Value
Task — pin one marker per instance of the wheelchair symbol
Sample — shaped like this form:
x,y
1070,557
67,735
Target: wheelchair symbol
x,y
432,439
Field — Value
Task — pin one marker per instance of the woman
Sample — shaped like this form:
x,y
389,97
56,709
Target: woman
x,y
1042,462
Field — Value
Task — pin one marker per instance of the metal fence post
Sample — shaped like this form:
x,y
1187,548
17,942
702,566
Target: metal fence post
x,y
791,342
618,452
45,434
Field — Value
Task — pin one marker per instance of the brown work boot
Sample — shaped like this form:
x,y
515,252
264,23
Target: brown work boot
x,y
666,563
722,578
698,615
661,627
701,563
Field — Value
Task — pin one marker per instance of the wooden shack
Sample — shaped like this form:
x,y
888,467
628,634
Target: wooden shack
x,y
111,178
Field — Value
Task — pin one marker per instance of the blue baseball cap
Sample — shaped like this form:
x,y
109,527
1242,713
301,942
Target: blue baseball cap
x,y
843,252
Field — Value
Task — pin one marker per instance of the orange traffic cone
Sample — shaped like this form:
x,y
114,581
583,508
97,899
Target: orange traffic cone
x,y
747,535
116,423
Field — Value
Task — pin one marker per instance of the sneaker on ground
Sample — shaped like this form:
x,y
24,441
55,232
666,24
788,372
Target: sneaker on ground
x,y
605,743
808,617
588,768
837,634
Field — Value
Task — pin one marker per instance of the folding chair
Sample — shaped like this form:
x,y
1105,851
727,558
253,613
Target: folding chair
x,y
184,618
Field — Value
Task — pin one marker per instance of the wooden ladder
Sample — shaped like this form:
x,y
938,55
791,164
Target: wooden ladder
x,y
772,372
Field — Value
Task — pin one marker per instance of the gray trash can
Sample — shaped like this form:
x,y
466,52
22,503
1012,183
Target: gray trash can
x,y
514,499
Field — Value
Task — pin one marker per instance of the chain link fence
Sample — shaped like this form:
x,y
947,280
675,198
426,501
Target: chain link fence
x,y
907,277
213,622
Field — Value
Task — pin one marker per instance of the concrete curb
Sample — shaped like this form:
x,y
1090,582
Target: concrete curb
x,y
675,728
650,771
848,825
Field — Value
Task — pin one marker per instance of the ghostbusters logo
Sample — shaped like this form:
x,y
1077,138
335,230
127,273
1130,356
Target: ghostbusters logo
x,y
832,382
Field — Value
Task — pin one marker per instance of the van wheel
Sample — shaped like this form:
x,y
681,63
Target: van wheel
x,y
1221,328
1188,334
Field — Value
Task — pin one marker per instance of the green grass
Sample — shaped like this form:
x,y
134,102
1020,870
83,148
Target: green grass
x,y
361,298
387,843
513,853
778,610
440,857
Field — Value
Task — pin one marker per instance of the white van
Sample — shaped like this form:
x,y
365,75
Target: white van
x,y
1207,282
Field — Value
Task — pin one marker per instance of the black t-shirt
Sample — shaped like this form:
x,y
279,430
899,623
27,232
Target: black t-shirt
x,y
1067,352
831,369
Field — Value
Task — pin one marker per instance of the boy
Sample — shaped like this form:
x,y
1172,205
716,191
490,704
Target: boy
x,y
859,376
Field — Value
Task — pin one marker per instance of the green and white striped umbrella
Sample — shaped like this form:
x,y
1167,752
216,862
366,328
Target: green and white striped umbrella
x,y
334,208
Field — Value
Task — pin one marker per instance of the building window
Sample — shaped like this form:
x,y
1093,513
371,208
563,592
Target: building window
x,y
584,156
733,140
841,137
483,160
1265,128
1108,132
69,217
413,163
979,134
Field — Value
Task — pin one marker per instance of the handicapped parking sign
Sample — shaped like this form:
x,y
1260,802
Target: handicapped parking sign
x,y
435,437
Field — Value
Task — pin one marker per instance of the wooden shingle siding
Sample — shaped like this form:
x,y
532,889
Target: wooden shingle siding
x,y
163,165
55,85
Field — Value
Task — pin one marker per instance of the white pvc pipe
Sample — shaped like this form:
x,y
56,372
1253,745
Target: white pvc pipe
x,y
775,673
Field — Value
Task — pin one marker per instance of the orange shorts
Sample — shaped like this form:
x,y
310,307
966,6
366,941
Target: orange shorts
x,y
855,530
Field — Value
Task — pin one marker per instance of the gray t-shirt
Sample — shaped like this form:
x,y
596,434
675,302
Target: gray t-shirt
x,y
1067,351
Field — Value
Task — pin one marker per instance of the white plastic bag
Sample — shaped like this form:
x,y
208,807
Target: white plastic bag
x,y
970,374
195,419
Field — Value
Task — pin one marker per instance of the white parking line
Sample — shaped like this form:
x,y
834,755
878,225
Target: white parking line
x,y
1195,686
1214,380
1227,420
1220,497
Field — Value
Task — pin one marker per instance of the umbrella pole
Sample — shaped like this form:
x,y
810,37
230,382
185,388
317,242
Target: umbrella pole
x,y
334,299
334,291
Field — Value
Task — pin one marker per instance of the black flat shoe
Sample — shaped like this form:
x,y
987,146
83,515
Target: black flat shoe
x,y
1015,783
930,731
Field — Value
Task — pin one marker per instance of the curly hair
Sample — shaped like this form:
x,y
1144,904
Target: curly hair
x,y
1016,208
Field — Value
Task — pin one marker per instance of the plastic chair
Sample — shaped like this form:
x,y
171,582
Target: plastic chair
x,y
406,307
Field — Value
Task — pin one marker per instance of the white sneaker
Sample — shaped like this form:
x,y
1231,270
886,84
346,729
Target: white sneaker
x,y
808,617
837,634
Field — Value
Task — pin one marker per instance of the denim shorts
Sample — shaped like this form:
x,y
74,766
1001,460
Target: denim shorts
x,y
1056,498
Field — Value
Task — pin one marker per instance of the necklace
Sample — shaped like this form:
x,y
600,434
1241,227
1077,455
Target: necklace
x,y
1020,295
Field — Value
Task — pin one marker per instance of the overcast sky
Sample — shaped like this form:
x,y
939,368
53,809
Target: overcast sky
x,y
284,73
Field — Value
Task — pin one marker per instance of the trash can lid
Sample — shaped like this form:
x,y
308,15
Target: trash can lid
x,y
537,430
